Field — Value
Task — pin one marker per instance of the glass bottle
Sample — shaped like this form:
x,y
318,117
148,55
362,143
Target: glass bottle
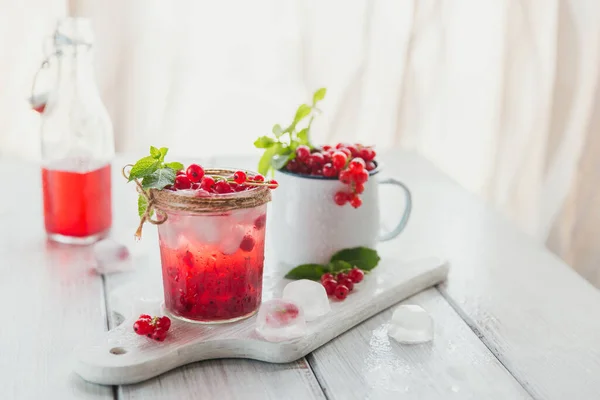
x,y
77,142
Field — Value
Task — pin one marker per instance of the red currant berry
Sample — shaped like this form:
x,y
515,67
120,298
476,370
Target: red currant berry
x,y
182,182
340,276
273,184
329,171
355,201
340,145
222,187
338,159
356,275
159,335
346,151
345,176
367,153
360,176
353,150
260,222
329,285
241,188
239,177
247,243
315,160
348,283
195,172
359,188
357,165
302,153
163,323
340,198
258,178
207,183
292,165
327,147
326,276
341,292
143,327
370,166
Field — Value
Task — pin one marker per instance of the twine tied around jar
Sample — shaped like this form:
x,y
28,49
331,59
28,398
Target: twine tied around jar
x,y
163,201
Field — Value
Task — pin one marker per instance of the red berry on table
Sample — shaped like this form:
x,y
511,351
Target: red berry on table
x,y
247,243
355,201
353,150
302,153
340,276
207,183
357,164
327,147
315,160
239,177
347,282
182,182
356,275
143,326
341,292
359,188
360,176
346,176
159,335
329,171
164,323
338,159
258,178
346,151
223,187
273,184
329,285
370,166
195,173
340,198
326,276
340,145
367,154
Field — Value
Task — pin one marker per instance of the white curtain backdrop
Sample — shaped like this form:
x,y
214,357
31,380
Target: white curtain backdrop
x,y
502,95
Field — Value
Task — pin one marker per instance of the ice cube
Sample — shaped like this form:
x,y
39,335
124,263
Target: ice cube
x,y
280,320
309,295
411,324
231,238
110,256
204,229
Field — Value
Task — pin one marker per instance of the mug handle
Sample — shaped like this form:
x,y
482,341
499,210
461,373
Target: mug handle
x,y
404,220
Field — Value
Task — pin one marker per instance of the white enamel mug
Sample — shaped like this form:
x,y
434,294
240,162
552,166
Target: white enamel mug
x,y
308,227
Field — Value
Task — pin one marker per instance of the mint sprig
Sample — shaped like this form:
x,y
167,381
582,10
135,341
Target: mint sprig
x,y
344,260
280,146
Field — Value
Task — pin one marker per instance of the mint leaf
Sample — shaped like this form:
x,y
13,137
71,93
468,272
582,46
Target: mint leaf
x,y
144,167
302,112
303,136
280,160
338,265
175,166
163,153
143,205
307,271
277,131
159,179
264,164
361,257
264,142
319,95
154,152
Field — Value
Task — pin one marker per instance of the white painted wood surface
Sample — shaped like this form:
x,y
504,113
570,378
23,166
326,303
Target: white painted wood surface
x,y
123,357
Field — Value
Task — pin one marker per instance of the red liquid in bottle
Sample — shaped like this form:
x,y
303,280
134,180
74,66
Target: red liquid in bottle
x,y
202,283
77,204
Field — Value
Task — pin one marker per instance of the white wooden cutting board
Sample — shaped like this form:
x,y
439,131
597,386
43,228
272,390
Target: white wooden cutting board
x,y
122,357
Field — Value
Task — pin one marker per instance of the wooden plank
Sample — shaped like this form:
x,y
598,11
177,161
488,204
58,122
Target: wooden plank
x,y
364,363
223,379
51,301
530,308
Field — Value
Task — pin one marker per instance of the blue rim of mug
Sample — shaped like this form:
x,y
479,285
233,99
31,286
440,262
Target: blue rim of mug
x,y
326,178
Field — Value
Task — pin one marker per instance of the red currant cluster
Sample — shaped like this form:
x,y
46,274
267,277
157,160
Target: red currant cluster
x,y
350,163
194,178
342,283
155,328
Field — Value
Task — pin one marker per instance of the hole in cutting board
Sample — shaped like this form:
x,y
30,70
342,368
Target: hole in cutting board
x,y
117,351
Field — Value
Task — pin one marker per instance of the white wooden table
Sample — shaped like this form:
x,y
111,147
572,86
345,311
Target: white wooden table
x,y
512,321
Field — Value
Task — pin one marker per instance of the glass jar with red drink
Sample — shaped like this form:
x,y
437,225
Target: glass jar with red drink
x,y
77,141
212,252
